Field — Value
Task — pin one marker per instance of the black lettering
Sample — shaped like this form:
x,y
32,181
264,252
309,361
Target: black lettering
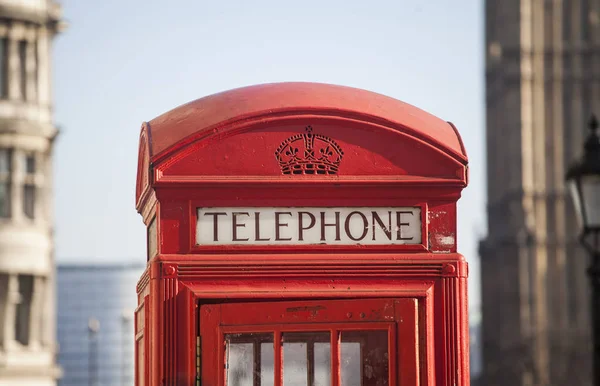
x,y
257,227
365,228
336,224
399,225
279,224
301,228
215,223
235,225
388,229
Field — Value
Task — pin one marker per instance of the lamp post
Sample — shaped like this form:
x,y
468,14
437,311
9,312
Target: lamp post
x,y
583,178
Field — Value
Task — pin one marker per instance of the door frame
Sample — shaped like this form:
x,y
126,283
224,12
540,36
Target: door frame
x,y
438,284
399,316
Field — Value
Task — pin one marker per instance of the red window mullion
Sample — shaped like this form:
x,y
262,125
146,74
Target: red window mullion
x,y
257,365
278,357
335,357
392,351
310,363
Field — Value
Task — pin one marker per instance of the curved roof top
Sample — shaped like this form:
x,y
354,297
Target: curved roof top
x,y
204,114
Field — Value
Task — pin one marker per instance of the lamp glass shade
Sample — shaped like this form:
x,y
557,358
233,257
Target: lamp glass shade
x,y
590,201
575,191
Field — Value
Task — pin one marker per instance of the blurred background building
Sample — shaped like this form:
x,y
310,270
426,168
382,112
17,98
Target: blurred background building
x,y
542,81
95,323
476,363
27,132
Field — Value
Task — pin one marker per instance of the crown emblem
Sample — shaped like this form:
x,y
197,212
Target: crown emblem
x,y
309,153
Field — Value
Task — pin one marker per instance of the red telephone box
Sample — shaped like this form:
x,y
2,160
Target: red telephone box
x,y
301,234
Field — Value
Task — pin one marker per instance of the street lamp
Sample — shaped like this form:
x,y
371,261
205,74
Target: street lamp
x,y
583,178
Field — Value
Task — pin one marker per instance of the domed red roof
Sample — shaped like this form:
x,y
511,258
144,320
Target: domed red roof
x,y
202,115
193,118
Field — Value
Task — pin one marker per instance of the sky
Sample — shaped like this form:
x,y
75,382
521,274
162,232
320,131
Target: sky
x,y
122,62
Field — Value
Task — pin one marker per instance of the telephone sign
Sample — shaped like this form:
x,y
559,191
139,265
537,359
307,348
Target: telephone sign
x,y
305,226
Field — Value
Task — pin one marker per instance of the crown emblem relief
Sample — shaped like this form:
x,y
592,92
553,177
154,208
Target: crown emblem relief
x,y
309,153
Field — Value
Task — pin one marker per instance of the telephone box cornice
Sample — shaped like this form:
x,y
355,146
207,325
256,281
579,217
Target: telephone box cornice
x,y
205,116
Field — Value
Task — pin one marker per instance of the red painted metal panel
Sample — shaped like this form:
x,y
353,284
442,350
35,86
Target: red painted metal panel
x,y
178,215
210,338
311,311
367,151
409,351
186,331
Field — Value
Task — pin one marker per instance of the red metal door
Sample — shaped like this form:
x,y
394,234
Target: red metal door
x,y
366,342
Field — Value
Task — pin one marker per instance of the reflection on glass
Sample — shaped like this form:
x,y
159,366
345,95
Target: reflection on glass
x,y
240,364
267,372
364,358
249,359
295,364
306,359
350,364
322,369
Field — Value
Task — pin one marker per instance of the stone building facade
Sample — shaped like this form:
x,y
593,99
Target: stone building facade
x,y
542,84
27,274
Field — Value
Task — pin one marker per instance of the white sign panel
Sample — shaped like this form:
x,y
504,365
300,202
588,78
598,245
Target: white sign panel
x,y
309,226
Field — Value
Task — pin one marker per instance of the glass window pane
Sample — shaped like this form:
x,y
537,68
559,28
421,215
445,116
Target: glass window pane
x,y
249,359
574,187
322,364
23,310
23,67
141,359
3,67
240,364
590,189
364,357
4,161
30,164
35,65
29,200
295,366
306,359
152,239
350,364
267,361
3,290
4,199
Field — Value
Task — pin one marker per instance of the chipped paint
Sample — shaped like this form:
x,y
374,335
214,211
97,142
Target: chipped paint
x,y
445,240
298,309
436,214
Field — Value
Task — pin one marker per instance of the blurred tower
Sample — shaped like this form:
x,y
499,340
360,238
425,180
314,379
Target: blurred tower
x,y
542,83
27,278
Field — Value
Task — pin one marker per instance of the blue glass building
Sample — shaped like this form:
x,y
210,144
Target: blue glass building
x,y
96,304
